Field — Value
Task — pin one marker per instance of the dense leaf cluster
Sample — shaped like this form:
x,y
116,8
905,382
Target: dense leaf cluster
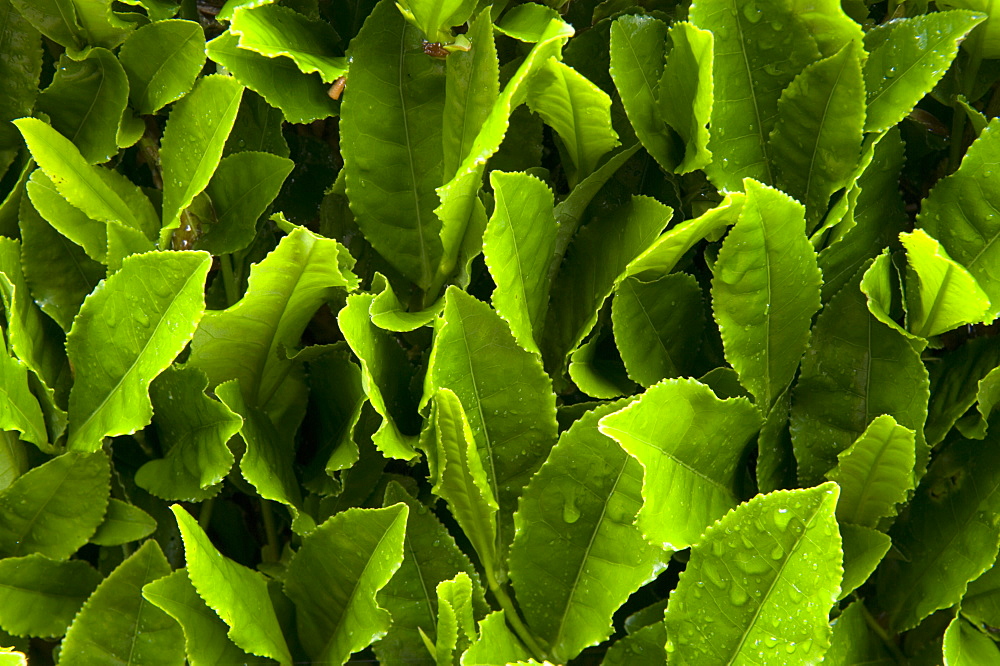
x,y
451,332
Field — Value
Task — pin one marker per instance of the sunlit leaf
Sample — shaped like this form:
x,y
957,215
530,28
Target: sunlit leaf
x,y
272,30
687,92
162,60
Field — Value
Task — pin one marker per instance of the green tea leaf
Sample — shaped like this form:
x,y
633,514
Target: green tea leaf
x,y
192,430
302,98
238,594
955,386
974,426
875,473
257,128
122,524
100,193
435,17
19,409
856,368
966,645
961,212
942,295
456,625
658,326
430,556
751,592
387,376
241,189
947,538
20,68
56,19
576,556
557,93
148,311
54,508
908,57
688,76
864,548
334,577
162,60
638,48
100,25
765,291
39,596
981,602
602,251
853,642
759,48
691,461
389,314
645,647
284,291
193,141
67,219
116,623
206,643
816,141
518,246
273,31
527,22
597,369
392,145
85,103
497,645
505,393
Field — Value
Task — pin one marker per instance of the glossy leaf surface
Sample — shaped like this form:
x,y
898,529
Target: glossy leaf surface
x,y
272,30
687,92
123,523
161,61
41,596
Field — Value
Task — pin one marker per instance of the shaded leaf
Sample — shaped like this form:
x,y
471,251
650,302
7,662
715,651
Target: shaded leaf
x,y
39,596
257,128
955,385
19,409
193,141
123,523
732,601
691,460
20,68
518,246
765,291
961,213
117,623
162,60
149,309
658,326
687,107
334,577
864,548
576,556
942,295
239,595
456,625
273,31
853,642
875,473
206,643
856,368
816,140
54,508
907,58
56,19
981,602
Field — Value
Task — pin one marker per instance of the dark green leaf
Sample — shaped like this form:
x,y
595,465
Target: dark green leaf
x,y
39,596
162,61
334,577
853,642
20,67
257,128
147,311
955,383
56,507
122,524
981,602
691,460
864,548
56,19
118,625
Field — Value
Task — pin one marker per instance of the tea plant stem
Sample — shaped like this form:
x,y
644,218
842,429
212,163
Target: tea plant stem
x,y
228,278
958,117
271,550
205,516
897,654
513,618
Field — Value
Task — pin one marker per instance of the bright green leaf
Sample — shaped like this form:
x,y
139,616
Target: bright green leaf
x,y
257,128
85,103
658,326
881,285
816,141
856,369
645,647
506,396
765,291
122,524
527,22
436,17
162,60
389,314
875,473
54,508
497,645
984,41
205,637
238,594
117,624
948,538
942,294
760,586
576,556
19,409
518,245
284,292
597,369
67,219
39,596
149,309
966,645
759,48
691,461
961,212
193,141
273,31
456,624
687,92
334,577
908,57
